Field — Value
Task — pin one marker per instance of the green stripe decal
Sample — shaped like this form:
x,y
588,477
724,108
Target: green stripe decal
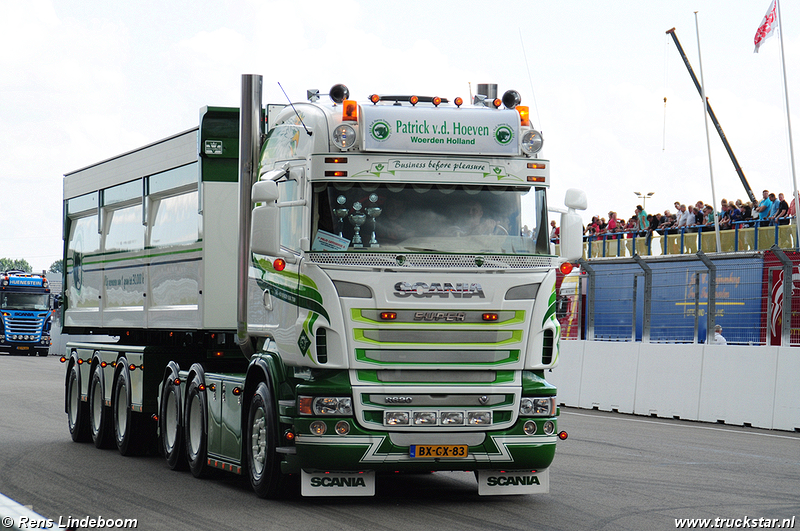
x,y
513,357
293,296
371,376
516,337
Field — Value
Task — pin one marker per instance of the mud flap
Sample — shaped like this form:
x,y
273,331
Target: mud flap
x,y
504,482
338,483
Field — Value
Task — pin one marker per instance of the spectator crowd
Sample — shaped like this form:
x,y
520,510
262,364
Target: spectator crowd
x,y
770,210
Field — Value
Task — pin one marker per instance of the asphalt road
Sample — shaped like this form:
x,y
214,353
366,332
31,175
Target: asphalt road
x,y
615,472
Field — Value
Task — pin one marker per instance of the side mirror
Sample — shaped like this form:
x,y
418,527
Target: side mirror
x,y
266,230
575,199
265,192
571,232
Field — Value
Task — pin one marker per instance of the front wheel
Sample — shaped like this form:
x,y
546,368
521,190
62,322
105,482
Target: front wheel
x,y
262,439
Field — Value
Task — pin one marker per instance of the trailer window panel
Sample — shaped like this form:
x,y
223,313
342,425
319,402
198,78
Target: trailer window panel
x,y
175,220
82,203
124,192
125,229
174,178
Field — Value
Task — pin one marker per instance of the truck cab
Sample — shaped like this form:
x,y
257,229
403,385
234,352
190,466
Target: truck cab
x,y
26,308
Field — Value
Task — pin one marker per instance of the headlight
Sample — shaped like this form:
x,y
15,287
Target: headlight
x,y
395,418
325,405
537,407
532,141
344,137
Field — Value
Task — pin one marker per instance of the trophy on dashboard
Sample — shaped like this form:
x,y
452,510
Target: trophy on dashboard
x,y
357,220
373,212
341,213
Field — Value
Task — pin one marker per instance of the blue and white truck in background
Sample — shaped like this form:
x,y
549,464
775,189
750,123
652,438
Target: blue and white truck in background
x,y
26,305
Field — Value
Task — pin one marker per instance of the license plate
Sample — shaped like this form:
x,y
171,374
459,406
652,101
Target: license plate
x,y
23,348
438,450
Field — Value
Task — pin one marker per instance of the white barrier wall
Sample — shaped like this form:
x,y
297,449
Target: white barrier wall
x,y
739,385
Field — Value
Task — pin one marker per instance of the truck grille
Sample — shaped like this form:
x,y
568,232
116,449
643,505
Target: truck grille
x,y
23,326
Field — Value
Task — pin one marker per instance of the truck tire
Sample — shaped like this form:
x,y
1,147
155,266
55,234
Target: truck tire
x,y
123,419
171,425
99,422
77,415
261,441
195,428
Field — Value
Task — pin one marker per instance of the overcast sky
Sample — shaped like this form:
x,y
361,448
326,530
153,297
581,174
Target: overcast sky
x,y
84,81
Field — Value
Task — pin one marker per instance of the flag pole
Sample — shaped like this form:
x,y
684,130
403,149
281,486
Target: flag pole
x,y
708,141
789,126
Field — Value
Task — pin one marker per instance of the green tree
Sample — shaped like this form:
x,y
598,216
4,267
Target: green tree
x,y
57,266
22,264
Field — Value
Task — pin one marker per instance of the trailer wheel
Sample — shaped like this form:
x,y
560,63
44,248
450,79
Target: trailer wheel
x,y
195,428
98,414
262,439
171,425
123,419
77,416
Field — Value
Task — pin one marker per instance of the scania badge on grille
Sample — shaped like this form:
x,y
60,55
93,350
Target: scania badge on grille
x,y
440,289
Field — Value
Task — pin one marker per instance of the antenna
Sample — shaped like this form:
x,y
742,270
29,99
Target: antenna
x,y
295,110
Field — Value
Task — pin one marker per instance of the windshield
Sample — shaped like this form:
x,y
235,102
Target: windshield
x,y
24,301
429,218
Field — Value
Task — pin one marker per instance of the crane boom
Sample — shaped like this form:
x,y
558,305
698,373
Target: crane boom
x,y
718,127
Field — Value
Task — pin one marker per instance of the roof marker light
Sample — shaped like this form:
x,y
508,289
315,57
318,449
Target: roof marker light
x,y
459,101
497,102
279,264
413,100
349,111
524,115
436,101
374,98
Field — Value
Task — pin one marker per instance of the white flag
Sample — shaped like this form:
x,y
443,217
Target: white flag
x,y
768,25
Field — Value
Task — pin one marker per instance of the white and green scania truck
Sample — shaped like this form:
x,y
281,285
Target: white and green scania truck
x,y
330,290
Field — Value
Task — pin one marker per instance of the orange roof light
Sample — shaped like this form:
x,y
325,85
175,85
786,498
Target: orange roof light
x,y
413,100
497,102
524,115
436,101
349,111
374,98
459,101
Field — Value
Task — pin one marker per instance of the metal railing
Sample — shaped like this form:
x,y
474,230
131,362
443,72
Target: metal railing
x,y
742,237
